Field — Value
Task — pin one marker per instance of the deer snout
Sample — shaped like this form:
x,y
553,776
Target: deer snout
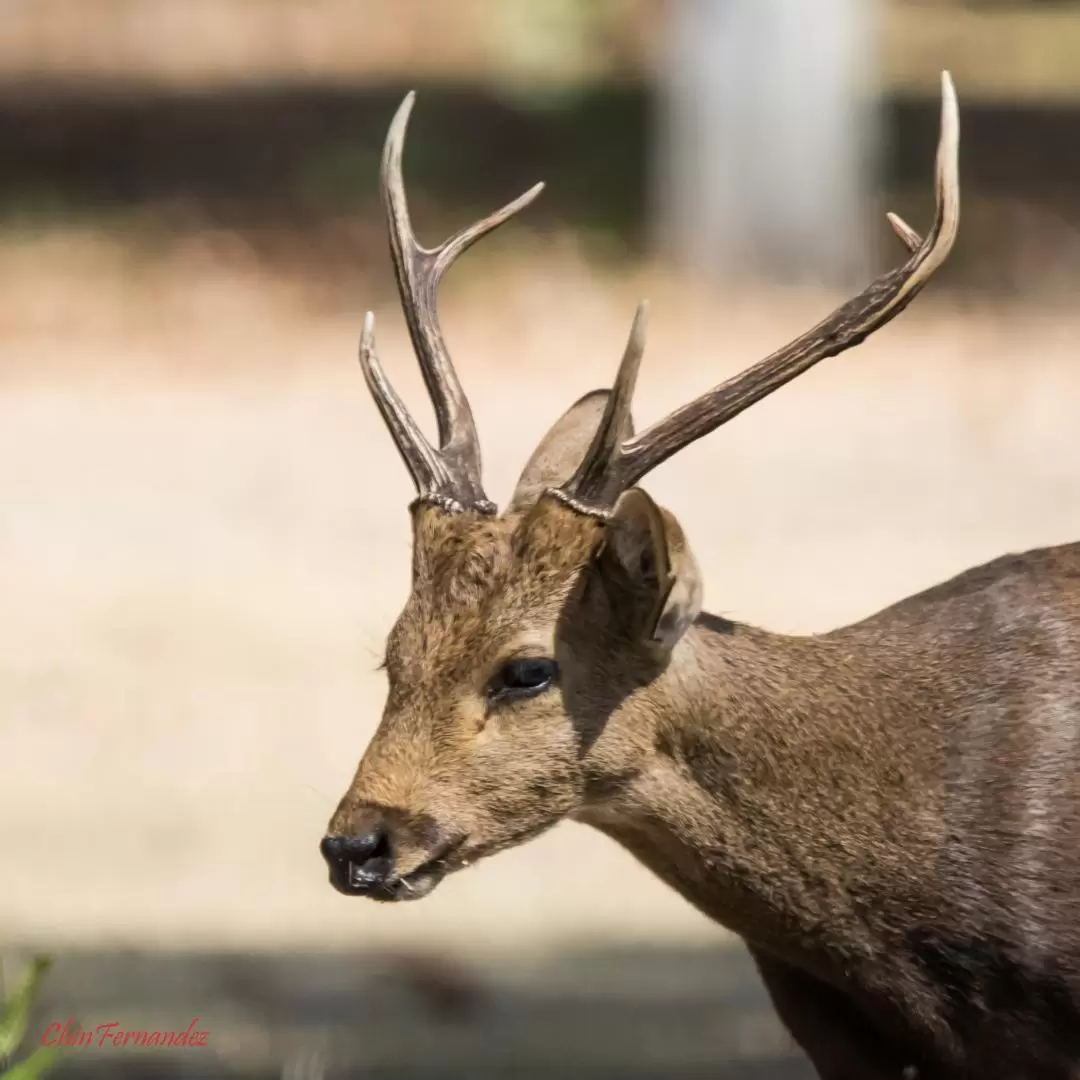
x,y
360,865
386,852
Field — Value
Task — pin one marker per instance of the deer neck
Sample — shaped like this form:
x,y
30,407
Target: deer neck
x,y
785,789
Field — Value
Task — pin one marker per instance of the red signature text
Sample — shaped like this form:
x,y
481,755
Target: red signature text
x,y
73,1036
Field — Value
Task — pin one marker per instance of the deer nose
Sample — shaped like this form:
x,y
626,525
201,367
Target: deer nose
x,y
360,864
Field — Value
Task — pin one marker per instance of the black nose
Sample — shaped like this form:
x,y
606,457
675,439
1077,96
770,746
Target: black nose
x,y
360,864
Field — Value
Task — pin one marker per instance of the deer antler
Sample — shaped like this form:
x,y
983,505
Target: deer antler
x,y
451,475
611,466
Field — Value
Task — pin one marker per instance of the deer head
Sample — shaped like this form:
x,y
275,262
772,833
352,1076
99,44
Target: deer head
x,y
522,670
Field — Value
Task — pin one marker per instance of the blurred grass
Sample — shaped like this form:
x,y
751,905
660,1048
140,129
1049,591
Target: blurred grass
x,y
15,1013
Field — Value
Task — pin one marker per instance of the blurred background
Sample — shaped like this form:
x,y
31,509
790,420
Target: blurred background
x,y
204,540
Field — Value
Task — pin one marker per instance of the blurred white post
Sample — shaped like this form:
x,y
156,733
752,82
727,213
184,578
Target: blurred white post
x,y
767,137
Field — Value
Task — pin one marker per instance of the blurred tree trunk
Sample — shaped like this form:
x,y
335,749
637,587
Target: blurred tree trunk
x,y
767,137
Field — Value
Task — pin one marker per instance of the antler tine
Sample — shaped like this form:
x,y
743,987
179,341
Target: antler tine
x,y
908,236
607,441
600,481
427,469
418,271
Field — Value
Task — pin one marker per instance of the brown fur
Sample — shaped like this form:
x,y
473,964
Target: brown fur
x,y
888,814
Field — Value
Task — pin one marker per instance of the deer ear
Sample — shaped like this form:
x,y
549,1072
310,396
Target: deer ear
x,y
561,450
646,549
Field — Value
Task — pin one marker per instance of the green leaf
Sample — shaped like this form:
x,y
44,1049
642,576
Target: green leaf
x,y
16,1011
35,1066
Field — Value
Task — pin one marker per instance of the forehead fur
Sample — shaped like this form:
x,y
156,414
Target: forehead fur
x,y
477,579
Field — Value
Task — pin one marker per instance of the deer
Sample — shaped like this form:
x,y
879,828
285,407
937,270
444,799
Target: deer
x,y
886,814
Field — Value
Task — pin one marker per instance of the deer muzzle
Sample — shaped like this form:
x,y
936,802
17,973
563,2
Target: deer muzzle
x,y
381,858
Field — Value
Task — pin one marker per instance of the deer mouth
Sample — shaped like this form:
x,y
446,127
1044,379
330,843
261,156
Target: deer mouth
x,y
417,883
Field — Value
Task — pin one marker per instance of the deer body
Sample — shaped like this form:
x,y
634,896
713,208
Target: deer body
x,y
888,814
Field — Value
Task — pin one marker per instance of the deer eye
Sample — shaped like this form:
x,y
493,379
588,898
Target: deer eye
x,y
522,679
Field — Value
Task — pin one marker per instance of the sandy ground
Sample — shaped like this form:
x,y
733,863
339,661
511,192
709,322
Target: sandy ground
x,y
203,542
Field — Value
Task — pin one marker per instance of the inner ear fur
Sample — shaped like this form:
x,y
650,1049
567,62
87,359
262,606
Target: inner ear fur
x,y
562,449
646,552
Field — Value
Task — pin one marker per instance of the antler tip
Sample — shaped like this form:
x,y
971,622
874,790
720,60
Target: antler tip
x,y
505,213
908,236
396,134
950,111
948,163
369,360
641,322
